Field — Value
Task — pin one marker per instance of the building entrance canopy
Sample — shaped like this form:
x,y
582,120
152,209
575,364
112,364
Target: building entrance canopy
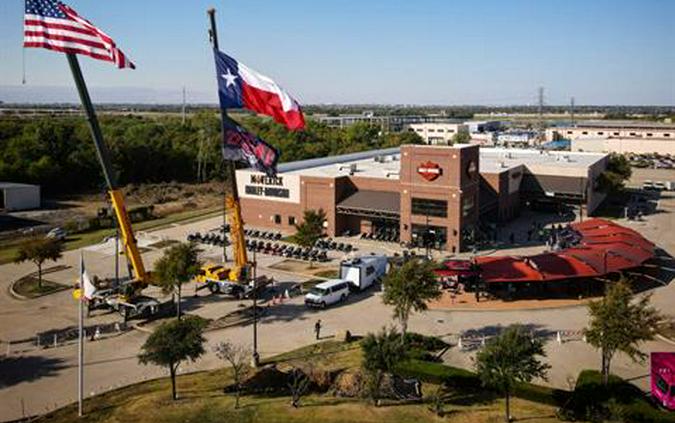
x,y
372,204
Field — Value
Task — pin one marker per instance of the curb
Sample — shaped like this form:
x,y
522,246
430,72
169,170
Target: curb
x,y
665,339
18,296
492,310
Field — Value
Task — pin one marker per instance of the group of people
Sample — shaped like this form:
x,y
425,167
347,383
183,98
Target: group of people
x,y
561,237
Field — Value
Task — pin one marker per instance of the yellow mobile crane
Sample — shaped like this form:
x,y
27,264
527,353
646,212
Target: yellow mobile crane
x,y
127,298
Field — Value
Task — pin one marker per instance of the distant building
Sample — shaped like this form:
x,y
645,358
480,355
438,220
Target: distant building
x,y
612,129
625,145
483,126
16,197
438,133
516,138
392,123
618,137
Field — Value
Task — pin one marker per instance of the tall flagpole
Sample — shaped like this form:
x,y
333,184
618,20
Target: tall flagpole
x,y
232,205
80,344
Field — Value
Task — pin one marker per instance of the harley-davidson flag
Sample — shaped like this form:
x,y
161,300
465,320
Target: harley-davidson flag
x,y
240,87
241,145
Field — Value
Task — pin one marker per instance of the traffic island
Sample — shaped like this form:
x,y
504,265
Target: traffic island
x,y
29,287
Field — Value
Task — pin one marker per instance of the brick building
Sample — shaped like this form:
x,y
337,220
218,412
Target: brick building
x,y
417,189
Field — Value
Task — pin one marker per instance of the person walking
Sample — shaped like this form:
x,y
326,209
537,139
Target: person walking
x,y
317,329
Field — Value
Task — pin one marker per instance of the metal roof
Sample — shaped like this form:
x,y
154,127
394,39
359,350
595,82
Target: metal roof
x,y
373,201
5,185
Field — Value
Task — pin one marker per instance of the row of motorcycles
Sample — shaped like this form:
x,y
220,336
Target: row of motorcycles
x,y
287,250
210,239
254,233
385,234
329,244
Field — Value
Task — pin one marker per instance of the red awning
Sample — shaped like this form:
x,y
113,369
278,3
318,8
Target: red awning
x,y
605,247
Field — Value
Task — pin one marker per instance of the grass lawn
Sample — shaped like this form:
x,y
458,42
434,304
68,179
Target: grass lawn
x,y
8,251
28,287
201,399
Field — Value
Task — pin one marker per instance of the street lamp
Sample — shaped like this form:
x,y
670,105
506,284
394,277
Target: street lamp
x,y
255,359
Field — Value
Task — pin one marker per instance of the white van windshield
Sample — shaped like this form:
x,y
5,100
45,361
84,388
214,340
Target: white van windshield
x,y
318,291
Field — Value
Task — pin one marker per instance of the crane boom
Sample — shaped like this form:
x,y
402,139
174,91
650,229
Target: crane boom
x,y
128,239
116,197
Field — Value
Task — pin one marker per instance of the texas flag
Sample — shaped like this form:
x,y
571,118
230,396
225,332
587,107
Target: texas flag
x,y
241,87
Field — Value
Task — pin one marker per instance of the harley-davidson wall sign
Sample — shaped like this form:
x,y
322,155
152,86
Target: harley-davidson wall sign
x,y
430,170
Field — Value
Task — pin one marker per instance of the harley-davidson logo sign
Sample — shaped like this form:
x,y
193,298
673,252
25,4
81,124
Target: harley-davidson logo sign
x,y
429,170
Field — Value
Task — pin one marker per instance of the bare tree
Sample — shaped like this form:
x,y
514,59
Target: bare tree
x,y
298,382
237,356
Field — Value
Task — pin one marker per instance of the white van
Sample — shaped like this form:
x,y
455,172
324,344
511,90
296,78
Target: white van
x,y
327,293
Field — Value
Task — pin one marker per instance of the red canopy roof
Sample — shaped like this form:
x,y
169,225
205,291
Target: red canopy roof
x,y
604,247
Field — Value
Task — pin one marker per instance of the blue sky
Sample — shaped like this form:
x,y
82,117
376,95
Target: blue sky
x,y
369,51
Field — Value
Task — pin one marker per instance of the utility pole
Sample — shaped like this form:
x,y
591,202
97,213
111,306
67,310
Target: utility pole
x,y
572,110
540,103
183,111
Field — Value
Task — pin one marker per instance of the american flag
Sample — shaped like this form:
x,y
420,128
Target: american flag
x,y
52,25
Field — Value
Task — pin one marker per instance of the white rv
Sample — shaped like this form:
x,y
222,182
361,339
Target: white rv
x,y
361,272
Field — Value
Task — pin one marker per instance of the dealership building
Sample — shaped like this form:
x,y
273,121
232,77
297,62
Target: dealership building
x,y
416,189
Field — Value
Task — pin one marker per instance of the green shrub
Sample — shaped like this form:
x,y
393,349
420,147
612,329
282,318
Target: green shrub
x,y
619,400
438,373
424,342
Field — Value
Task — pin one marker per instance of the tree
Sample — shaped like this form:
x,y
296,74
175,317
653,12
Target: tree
x,y
408,288
177,266
461,137
618,324
173,342
618,171
508,359
237,356
311,227
39,250
381,353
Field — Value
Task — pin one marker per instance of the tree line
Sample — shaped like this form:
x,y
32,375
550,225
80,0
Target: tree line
x,y
59,155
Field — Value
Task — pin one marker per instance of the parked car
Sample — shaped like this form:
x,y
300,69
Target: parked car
x,y
659,186
57,233
327,293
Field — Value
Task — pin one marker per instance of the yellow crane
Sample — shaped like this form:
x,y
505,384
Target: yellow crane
x,y
127,298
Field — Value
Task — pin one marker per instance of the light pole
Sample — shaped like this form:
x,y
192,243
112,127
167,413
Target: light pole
x,y
255,359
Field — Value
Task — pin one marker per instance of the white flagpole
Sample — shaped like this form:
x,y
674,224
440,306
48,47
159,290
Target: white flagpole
x,y
80,346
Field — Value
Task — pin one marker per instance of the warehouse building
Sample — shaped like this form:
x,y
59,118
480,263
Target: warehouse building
x,y
629,145
636,137
419,189
617,129
16,197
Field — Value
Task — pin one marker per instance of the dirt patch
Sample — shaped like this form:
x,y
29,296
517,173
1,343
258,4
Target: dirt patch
x,y
29,287
163,244
302,267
